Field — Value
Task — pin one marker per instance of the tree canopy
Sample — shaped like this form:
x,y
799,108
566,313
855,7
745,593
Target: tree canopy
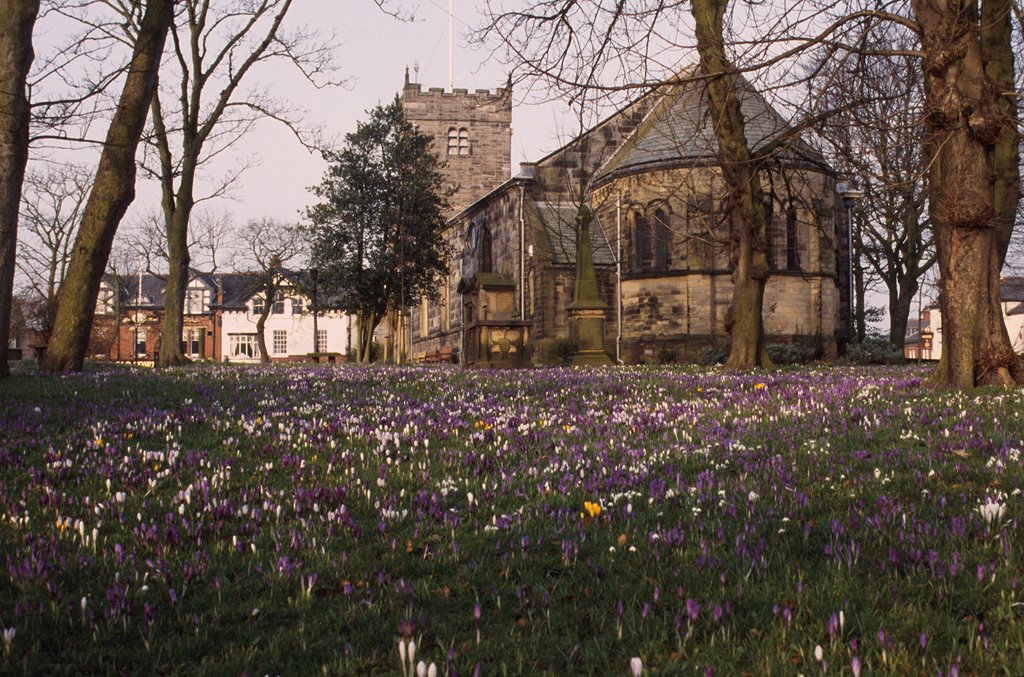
x,y
376,235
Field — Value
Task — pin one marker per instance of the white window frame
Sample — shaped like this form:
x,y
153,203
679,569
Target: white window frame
x,y
280,342
243,347
190,335
196,300
140,340
321,340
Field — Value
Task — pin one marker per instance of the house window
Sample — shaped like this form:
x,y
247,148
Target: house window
x,y
195,301
280,342
278,308
257,305
321,340
140,343
192,341
243,346
105,301
298,307
792,240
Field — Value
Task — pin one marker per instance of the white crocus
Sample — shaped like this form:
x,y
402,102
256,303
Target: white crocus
x,y
991,510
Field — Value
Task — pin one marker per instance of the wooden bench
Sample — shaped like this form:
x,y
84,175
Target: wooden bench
x,y
442,356
324,357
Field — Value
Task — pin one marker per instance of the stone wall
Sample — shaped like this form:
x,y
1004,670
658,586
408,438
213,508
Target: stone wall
x,y
481,160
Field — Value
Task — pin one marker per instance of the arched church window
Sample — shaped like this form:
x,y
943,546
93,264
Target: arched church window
x,y
463,141
769,234
453,141
792,240
484,251
642,250
662,240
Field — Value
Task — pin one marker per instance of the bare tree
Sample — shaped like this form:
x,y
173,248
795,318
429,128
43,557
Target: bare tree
x,y
52,202
972,120
270,246
210,237
216,45
748,252
17,19
879,143
112,192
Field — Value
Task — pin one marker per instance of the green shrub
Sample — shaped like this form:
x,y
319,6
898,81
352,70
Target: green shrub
x,y
790,353
560,350
874,351
667,355
711,355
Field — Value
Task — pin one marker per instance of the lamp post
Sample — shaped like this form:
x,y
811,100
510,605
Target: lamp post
x,y
851,196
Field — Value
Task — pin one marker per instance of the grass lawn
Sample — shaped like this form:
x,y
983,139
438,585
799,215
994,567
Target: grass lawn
x,y
222,520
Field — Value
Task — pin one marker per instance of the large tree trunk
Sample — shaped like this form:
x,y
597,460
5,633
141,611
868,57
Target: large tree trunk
x,y
177,209
971,120
112,192
366,322
899,312
17,19
748,252
179,260
261,324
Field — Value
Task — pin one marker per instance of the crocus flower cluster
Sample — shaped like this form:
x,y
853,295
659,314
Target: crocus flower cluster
x,y
288,519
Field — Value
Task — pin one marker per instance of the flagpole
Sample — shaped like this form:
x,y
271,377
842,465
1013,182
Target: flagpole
x,y
451,69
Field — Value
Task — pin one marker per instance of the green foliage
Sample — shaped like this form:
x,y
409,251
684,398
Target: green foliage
x,y
712,355
790,353
667,355
560,350
299,520
376,233
874,351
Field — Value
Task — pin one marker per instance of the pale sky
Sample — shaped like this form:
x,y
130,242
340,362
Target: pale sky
x,y
373,52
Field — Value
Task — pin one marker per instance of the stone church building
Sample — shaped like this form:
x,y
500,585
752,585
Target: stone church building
x,y
659,234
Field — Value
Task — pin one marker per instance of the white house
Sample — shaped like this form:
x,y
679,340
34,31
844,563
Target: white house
x,y
288,331
929,339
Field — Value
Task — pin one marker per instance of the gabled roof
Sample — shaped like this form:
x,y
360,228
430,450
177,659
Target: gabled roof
x,y
238,288
679,128
557,222
152,291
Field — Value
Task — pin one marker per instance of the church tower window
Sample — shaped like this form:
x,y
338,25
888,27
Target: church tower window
x,y
458,141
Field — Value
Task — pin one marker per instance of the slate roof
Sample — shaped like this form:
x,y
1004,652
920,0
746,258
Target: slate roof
x,y
238,288
557,222
153,288
1011,289
679,127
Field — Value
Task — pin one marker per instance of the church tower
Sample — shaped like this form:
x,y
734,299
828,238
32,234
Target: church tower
x,y
472,134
